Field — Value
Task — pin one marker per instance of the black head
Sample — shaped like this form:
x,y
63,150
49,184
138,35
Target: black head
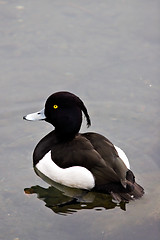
x,y
64,111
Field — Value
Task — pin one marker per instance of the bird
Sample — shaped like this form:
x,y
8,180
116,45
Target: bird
x,y
87,160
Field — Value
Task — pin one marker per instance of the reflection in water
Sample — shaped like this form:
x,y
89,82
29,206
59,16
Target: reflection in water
x,y
63,200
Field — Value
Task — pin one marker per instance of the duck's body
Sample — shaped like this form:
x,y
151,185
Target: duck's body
x,y
86,161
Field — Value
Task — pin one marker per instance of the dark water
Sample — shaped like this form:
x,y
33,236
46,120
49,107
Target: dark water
x,y
106,52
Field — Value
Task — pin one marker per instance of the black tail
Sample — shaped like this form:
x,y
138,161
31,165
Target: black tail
x,y
125,195
123,191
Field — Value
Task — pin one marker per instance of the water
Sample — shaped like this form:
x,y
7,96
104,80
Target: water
x,y
106,52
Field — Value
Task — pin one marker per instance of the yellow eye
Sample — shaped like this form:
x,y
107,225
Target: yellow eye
x,y
55,106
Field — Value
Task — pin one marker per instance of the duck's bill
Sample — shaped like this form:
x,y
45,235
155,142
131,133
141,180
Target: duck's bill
x,y
37,116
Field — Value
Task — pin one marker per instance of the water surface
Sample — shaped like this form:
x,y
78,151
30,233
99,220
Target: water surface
x,y
106,52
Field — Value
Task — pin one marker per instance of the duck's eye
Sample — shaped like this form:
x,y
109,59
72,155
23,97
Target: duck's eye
x,y
55,106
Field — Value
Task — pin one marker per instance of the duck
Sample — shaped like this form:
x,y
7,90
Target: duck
x,y
87,161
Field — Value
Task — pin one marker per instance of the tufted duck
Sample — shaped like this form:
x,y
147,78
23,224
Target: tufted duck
x,y
81,160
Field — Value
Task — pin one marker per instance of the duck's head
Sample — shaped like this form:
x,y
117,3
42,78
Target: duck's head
x,y
64,111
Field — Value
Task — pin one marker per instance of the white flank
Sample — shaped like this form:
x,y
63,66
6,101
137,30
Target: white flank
x,y
123,156
75,177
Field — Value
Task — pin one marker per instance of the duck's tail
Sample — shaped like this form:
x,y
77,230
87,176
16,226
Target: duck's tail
x,y
125,190
127,195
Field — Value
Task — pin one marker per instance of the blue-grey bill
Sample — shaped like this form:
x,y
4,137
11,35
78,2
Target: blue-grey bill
x,y
37,116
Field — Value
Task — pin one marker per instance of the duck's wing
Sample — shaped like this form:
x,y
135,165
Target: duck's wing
x,y
109,154
128,189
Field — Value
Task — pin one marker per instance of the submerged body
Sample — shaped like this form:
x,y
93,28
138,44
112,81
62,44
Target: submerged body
x,y
87,161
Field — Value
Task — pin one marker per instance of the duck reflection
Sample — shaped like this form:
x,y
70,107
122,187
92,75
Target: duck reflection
x,y
64,200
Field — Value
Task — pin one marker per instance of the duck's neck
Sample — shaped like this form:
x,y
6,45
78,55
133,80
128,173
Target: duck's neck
x,y
67,132
61,137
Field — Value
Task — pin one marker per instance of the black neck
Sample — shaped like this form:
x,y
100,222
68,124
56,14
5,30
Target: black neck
x,y
64,137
